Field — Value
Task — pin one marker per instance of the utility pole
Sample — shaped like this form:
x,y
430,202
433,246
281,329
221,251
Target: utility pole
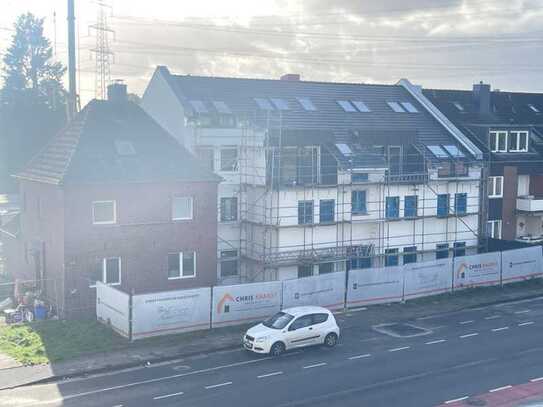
x,y
72,97
102,52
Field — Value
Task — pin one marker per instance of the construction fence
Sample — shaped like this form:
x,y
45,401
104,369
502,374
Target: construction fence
x,y
145,315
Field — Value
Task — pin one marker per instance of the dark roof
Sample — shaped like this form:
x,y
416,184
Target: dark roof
x,y
418,129
114,142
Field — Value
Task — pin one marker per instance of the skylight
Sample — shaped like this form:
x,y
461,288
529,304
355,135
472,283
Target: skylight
x,y
346,105
198,106
124,147
396,107
361,106
438,151
409,107
534,109
458,106
221,107
307,104
344,149
263,104
454,151
280,104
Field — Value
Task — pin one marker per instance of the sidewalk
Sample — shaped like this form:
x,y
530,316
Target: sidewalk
x,y
139,354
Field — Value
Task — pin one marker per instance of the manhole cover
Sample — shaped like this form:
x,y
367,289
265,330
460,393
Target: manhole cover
x,y
401,330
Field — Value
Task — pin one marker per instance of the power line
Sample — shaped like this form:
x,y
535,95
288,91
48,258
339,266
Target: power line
x,y
102,52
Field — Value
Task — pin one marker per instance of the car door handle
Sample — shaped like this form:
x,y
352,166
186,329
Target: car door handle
x,y
310,328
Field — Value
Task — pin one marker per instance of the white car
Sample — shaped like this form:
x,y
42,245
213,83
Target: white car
x,y
293,328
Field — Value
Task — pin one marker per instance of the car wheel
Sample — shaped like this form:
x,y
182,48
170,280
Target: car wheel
x,y
277,349
330,340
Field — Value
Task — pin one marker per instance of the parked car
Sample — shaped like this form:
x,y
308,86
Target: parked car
x,y
293,328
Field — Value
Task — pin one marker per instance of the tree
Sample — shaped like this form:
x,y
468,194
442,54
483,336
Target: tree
x,y
30,76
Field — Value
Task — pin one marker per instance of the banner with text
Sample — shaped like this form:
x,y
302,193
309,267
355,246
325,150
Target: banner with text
x,y
326,290
374,286
477,270
112,308
236,304
170,312
522,264
428,278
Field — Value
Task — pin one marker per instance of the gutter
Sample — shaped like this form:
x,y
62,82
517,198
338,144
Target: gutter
x,y
416,92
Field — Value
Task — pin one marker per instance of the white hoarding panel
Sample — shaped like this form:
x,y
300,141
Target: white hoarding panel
x,y
374,286
477,270
428,278
522,264
327,290
237,304
112,308
170,312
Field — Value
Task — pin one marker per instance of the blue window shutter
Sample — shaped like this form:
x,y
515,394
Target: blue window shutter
x,y
358,204
460,203
442,205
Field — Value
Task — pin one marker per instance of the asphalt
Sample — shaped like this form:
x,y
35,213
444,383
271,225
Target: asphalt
x,y
458,354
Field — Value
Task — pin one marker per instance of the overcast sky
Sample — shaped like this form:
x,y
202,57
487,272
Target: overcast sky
x,y
435,43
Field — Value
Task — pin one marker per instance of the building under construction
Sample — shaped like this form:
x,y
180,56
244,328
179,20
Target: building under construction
x,y
319,177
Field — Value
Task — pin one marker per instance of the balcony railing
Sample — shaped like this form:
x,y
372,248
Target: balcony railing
x,y
530,203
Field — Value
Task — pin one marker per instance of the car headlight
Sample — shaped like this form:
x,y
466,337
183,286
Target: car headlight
x,y
261,339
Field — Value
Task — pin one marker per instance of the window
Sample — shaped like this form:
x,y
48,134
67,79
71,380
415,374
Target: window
x,y
498,141
109,271
346,105
205,157
319,318
454,151
494,229
438,151
395,106
124,148
460,203
307,104
534,109
359,177
443,205
459,249
280,104
229,159
229,209
361,106
358,203
198,106
458,106
305,270
518,141
104,212
327,210
409,107
391,257
229,263
442,251
182,208
359,258
263,104
325,268
181,265
495,187
302,322
392,207
410,206
221,107
409,254
305,212
344,149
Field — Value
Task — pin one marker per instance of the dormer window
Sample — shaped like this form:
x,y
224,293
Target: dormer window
x,y
518,141
514,141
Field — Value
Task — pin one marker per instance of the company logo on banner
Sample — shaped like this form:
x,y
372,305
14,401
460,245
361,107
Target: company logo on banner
x,y
475,268
228,302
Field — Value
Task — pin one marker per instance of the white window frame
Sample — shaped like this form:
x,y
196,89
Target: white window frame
x,y
518,133
493,224
114,221
492,194
236,163
191,200
496,135
104,272
181,276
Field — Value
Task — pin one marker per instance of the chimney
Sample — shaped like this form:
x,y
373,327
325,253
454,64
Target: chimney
x,y
291,77
116,92
481,94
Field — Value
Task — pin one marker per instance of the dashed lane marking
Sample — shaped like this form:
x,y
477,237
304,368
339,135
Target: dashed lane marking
x,y
467,322
493,317
269,375
537,379
468,335
398,349
214,386
437,341
524,311
168,395
526,323
501,388
456,400
503,328
315,365
367,355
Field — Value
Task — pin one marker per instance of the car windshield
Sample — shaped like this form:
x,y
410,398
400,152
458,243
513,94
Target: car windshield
x,y
278,321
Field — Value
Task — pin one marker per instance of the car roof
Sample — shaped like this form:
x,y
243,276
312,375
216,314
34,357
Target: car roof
x,y
297,311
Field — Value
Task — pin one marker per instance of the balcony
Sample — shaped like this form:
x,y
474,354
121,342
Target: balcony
x,y
530,203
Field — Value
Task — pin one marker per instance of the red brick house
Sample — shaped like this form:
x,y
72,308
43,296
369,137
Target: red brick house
x,y
113,197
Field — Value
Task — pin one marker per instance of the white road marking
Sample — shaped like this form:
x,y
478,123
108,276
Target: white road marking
x,y
437,341
537,379
315,365
397,349
269,375
526,323
367,355
427,317
468,335
503,328
500,388
168,395
456,400
214,386
467,322
524,311
493,317
181,367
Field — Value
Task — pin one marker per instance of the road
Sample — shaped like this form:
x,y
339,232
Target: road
x,y
456,355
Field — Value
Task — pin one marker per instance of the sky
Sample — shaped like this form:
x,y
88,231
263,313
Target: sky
x,y
434,43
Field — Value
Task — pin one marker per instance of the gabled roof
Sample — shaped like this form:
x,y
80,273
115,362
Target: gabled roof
x,y
114,142
240,94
